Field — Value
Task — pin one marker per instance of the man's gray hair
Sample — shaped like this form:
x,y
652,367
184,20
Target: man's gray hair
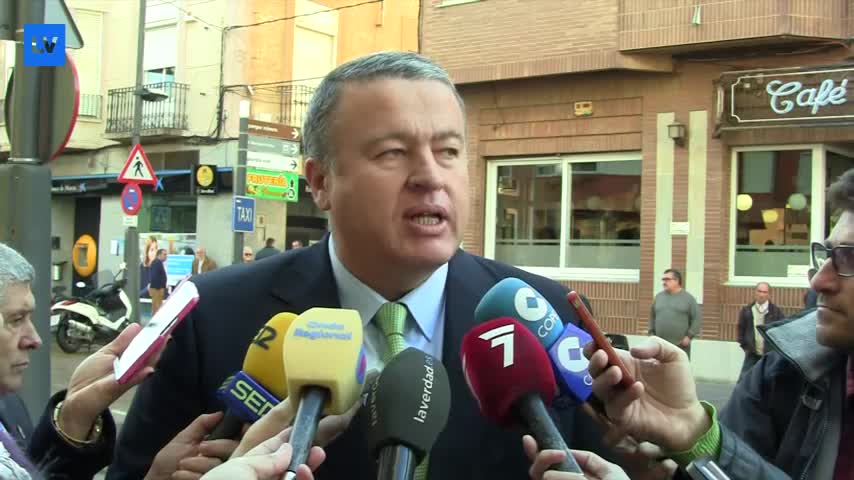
x,y
316,134
14,269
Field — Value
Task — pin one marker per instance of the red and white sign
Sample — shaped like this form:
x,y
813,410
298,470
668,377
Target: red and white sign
x,y
138,169
131,199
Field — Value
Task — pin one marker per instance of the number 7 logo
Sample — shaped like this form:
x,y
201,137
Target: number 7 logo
x,y
502,335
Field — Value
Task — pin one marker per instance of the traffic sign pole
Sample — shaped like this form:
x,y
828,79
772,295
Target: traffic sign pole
x,y
25,195
240,177
132,258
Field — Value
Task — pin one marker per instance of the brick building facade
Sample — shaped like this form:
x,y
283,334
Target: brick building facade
x,y
571,109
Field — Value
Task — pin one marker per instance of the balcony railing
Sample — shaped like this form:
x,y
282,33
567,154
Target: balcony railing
x,y
164,115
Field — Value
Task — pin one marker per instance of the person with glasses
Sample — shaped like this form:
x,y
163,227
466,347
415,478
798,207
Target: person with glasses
x,y
675,315
791,416
248,255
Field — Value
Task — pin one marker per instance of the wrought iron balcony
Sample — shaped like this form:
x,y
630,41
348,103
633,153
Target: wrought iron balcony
x,y
164,117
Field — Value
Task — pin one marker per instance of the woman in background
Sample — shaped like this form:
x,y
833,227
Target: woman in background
x,y
149,253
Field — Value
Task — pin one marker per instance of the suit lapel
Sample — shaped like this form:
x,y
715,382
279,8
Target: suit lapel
x,y
305,280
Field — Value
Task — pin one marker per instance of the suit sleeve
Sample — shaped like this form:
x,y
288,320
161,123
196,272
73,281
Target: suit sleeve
x,y
56,458
164,404
742,327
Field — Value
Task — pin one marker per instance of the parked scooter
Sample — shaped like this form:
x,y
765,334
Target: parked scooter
x,y
98,317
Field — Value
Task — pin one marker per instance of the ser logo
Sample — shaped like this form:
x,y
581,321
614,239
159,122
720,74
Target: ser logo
x,y
44,45
501,336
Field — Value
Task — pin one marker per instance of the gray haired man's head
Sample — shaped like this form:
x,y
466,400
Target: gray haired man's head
x,y
316,132
14,269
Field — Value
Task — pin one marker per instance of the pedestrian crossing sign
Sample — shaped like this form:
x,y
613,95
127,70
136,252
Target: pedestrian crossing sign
x,y
138,169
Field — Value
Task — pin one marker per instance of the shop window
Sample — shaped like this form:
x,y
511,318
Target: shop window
x,y
779,209
572,216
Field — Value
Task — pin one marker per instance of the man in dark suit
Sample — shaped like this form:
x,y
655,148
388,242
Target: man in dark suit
x,y
385,145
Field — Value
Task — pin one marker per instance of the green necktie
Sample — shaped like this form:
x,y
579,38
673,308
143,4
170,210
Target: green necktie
x,y
391,318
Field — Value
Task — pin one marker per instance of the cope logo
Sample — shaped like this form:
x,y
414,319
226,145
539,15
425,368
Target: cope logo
x,y
530,306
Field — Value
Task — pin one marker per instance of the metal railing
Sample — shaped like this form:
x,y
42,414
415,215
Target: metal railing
x,y
293,104
169,113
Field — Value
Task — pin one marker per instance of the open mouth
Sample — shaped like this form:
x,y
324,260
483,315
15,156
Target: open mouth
x,y
428,216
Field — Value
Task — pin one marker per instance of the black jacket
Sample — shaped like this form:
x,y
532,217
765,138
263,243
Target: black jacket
x,y
236,301
157,276
745,325
54,458
788,408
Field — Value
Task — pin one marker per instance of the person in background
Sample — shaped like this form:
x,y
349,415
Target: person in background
x,y
296,244
268,250
759,312
157,285
248,255
148,256
675,315
203,264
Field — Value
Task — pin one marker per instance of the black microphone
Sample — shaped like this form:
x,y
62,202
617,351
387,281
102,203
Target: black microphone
x,y
406,410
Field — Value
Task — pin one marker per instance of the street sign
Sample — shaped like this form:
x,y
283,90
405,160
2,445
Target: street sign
x,y
243,214
131,199
55,11
273,154
130,221
272,161
275,130
276,146
206,179
137,168
271,184
63,107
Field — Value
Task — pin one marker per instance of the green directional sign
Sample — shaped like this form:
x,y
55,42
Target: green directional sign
x,y
272,184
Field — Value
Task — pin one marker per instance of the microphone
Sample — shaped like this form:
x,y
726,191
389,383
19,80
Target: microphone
x,y
570,364
260,385
406,410
325,361
516,299
511,377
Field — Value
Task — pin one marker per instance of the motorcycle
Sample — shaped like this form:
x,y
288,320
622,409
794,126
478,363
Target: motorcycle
x,y
99,316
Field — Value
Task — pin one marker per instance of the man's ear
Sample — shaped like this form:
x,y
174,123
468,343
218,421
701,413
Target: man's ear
x,y
317,176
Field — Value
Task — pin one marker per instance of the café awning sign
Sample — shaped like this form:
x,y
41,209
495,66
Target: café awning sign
x,y
813,96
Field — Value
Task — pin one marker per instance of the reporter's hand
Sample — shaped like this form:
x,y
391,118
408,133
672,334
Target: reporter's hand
x,y
187,444
686,340
594,466
661,406
211,455
267,461
280,417
93,386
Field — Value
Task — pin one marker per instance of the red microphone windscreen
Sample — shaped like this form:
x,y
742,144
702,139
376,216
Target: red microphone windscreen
x,y
503,361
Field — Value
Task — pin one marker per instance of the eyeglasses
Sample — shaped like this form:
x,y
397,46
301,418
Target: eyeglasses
x,y
842,257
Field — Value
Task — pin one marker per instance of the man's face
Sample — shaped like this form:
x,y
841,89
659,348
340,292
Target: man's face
x,y
247,255
17,336
200,253
398,191
162,256
668,281
835,326
762,293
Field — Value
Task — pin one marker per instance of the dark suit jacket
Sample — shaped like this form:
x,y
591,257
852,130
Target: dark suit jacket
x,y
236,301
746,338
54,458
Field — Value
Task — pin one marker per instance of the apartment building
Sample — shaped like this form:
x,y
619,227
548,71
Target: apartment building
x,y
202,58
609,140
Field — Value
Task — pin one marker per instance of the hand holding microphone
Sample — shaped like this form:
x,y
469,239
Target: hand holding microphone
x,y
510,375
260,385
267,461
325,361
594,466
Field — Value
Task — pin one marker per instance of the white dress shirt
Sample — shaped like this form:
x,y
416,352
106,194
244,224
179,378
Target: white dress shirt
x,y
425,323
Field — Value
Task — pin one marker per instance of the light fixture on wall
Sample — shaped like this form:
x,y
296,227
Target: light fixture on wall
x,y
797,201
676,132
743,202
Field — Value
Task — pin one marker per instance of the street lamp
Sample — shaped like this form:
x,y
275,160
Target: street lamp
x,y
676,132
